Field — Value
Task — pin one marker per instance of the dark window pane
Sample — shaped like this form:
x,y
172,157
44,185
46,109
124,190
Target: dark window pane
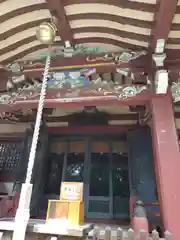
x,y
121,207
55,174
120,176
98,206
99,175
120,181
75,167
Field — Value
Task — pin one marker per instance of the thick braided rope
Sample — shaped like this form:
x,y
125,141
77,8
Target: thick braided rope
x,y
32,154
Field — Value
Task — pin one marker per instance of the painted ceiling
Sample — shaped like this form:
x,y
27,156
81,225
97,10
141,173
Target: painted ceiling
x,y
122,35
96,25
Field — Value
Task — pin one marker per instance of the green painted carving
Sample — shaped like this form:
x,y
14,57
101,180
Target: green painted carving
x,y
84,49
131,91
128,56
78,49
43,56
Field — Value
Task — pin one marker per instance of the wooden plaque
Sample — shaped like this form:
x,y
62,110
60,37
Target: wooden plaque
x,y
71,191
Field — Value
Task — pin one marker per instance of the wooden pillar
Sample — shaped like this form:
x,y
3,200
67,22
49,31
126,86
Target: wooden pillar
x,y
167,162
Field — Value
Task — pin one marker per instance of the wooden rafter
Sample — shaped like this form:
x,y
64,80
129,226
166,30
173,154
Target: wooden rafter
x,y
57,10
163,21
124,24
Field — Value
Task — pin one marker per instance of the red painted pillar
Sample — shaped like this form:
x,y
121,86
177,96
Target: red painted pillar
x,y
167,162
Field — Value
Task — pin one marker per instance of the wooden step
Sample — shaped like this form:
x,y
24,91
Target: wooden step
x,y
108,233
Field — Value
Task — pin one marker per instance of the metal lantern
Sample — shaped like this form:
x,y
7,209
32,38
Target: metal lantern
x,y
46,33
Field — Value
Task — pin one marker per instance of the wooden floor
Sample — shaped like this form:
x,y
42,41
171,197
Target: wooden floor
x,y
42,227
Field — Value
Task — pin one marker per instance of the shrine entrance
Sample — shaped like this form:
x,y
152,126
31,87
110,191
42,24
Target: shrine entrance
x,y
103,172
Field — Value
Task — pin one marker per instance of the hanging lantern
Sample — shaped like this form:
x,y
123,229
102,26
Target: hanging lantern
x,y
46,33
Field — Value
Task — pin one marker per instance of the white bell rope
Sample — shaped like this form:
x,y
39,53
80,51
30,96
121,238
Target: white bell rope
x,y
32,153
23,211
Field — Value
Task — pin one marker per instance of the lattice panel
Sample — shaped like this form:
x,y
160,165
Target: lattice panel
x,y
9,155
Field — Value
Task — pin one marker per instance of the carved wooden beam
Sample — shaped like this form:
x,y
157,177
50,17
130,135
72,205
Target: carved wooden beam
x,y
101,64
71,119
79,98
57,10
163,21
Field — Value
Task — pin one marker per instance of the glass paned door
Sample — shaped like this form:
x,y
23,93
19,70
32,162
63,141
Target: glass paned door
x,y
99,199
120,183
108,184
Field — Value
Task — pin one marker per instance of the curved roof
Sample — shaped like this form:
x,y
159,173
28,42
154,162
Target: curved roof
x,y
113,25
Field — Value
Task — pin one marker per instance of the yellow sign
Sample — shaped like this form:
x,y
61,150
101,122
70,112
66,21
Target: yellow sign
x,y
71,191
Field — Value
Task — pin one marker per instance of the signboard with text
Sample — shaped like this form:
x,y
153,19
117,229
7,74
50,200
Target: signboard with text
x,y
71,191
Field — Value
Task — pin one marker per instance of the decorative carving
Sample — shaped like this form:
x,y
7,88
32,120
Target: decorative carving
x,y
20,94
116,57
9,116
79,49
14,67
72,84
127,57
83,48
66,86
131,91
66,90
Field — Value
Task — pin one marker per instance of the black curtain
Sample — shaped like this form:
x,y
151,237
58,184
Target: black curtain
x,y
54,175
23,162
141,166
40,167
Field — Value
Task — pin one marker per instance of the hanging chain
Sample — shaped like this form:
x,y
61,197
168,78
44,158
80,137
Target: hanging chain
x,y
32,153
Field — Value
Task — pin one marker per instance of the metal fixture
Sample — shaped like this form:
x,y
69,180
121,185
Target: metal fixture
x,y
67,44
46,35
161,78
68,49
161,81
159,59
160,44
